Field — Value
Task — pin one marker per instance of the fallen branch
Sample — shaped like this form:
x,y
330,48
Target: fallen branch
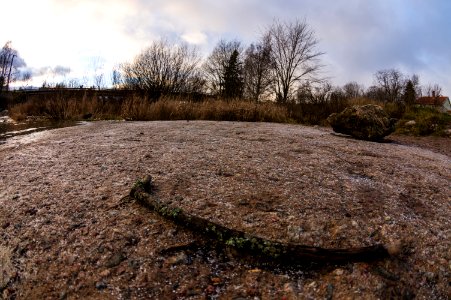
x,y
143,192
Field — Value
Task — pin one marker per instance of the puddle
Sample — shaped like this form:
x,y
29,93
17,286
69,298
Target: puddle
x,y
9,128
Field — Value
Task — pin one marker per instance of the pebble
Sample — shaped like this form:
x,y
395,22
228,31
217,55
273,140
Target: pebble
x,y
431,277
105,273
180,258
115,260
210,289
338,272
288,288
101,285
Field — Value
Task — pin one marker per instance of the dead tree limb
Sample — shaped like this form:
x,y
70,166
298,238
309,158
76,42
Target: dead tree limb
x,y
143,192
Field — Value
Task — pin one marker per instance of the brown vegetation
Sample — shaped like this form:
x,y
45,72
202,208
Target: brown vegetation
x,y
66,106
143,109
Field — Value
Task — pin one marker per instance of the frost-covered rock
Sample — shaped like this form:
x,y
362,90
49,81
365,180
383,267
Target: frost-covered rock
x,y
366,122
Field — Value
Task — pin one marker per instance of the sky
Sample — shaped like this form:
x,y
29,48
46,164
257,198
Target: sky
x,y
65,39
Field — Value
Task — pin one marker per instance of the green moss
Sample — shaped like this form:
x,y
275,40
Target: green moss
x,y
167,211
139,184
237,242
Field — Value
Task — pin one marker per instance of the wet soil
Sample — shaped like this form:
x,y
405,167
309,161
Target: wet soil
x,y
69,231
10,128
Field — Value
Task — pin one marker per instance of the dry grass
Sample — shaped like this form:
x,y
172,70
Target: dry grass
x,y
217,110
139,108
69,107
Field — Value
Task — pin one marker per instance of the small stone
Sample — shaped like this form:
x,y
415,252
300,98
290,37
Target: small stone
x,y
105,273
330,291
243,202
431,277
192,292
210,289
410,123
394,248
101,285
255,271
180,258
115,260
63,295
338,272
288,288
5,225
121,270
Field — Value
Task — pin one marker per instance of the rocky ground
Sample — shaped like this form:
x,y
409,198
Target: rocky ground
x,y
69,232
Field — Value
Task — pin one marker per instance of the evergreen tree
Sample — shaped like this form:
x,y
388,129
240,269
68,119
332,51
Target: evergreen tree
x,y
233,77
409,95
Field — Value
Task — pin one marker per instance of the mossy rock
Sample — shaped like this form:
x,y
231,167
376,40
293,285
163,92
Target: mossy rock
x,y
366,122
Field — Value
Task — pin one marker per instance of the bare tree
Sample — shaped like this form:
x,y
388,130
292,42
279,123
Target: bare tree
x,y
433,90
376,93
116,78
353,90
26,77
295,57
162,68
392,83
315,94
416,85
10,64
73,83
216,64
258,70
97,64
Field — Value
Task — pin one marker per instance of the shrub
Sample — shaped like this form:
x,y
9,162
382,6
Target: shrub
x,y
427,121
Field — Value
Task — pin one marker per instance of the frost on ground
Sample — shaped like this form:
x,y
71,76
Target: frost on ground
x,y
72,234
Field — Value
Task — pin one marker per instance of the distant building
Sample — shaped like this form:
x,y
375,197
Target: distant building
x,y
441,103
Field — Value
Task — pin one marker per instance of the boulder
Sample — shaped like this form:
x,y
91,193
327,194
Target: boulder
x,y
366,122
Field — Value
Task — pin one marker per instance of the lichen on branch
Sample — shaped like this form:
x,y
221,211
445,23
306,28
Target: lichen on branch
x,y
144,193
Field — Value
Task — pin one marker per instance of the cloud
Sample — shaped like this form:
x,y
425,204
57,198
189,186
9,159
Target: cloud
x,y
195,38
358,36
60,70
50,71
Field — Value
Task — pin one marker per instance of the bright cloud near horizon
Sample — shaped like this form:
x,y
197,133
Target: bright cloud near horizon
x,y
64,39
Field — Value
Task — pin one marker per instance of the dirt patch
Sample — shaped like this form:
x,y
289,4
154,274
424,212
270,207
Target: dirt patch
x,y
436,144
73,234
